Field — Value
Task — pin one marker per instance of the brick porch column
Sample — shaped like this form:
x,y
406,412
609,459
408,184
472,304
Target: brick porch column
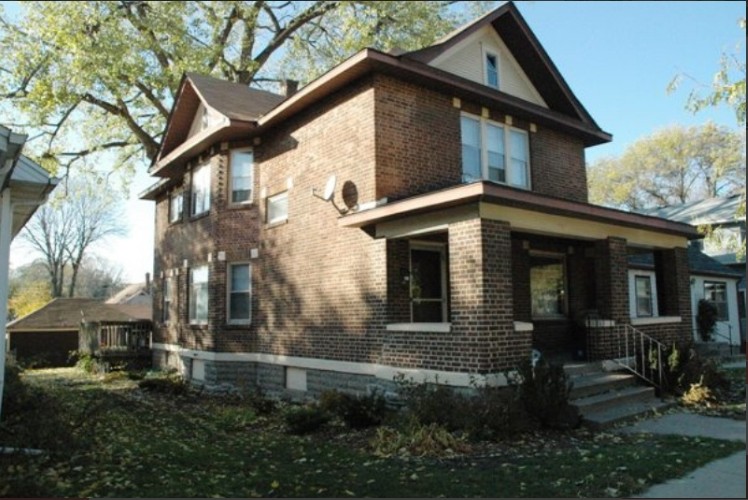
x,y
674,287
482,306
612,289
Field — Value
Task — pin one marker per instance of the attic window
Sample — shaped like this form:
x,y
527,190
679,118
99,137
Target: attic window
x,y
204,120
492,70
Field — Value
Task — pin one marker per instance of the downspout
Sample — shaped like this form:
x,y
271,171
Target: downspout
x,y
6,222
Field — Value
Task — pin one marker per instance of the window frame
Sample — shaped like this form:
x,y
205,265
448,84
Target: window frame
x,y
441,249
229,292
725,303
269,200
564,314
205,190
177,194
166,303
193,294
507,131
251,176
487,54
652,311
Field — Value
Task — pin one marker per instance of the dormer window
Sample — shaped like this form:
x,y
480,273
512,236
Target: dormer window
x,y
492,70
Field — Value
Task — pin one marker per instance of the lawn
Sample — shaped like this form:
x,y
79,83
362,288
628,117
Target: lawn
x,y
107,437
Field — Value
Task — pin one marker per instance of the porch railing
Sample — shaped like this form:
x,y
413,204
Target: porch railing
x,y
640,354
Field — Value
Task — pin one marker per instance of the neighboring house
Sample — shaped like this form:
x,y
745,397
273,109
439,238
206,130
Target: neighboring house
x,y
458,239
134,293
50,333
24,186
710,280
725,234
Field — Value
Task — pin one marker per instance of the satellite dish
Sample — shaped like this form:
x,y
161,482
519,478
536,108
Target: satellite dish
x,y
330,188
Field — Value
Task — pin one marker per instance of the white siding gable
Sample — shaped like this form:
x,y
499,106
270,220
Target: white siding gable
x,y
199,123
467,59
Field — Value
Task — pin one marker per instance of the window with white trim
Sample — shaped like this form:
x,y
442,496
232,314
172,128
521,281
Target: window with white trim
x,y
176,206
240,293
716,293
277,208
492,70
495,152
198,305
168,298
644,296
242,175
200,202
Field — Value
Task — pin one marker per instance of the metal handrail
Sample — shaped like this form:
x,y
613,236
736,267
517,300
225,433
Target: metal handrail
x,y
644,352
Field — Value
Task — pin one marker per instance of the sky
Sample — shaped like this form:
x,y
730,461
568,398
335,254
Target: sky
x,y
617,57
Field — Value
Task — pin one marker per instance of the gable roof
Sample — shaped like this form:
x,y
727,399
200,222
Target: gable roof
x,y
526,49
67,314
239,105
698,263
128,293
700,212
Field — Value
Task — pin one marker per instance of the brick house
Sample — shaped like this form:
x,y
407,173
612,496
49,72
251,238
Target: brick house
x,y
459,236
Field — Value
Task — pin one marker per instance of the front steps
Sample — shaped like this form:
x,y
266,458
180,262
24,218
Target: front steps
x,y
605,398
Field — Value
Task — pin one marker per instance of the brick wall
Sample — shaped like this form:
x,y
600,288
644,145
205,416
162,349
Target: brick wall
x,y
558,167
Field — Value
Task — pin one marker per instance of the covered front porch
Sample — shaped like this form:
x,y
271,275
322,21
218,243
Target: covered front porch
x,y
480,275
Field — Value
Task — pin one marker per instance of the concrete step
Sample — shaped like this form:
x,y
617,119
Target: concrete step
x,y
614,398
579,369
608,417
600,382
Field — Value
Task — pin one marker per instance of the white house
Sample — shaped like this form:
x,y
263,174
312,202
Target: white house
x,y
24,186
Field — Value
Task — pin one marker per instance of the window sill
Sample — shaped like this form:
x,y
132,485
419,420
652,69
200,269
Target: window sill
x,y
600,323
241,206
199,216
238,325
271,225
420,327
656,320
523,326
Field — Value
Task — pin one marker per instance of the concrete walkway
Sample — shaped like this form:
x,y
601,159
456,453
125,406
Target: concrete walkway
x,y
724,478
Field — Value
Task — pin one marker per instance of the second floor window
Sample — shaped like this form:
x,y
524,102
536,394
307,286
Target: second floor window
x,y
200,190
494,152
242,166
277,208
716,293
198,307
175,206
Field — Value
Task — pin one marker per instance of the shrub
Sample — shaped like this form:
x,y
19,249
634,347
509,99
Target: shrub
x,y
544,391
706,319
169,384
698,395
686,368
305,419
260,403
16,395
417,440
435,404
496,412
358,412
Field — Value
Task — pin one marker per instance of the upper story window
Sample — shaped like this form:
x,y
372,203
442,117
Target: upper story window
x,y
242,175
200,190
492,70
716,293
277,208
176,206
494,152
198,306
240,293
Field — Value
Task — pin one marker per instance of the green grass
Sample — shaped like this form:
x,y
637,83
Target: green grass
x,y
112,439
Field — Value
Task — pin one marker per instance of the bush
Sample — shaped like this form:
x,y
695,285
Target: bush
x,y
544,391
169,384
260,403
435,404
358,412
686,368
496,412
305,419
417,440
16,394
706,319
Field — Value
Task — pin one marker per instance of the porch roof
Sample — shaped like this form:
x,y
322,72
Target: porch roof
x,y
527,202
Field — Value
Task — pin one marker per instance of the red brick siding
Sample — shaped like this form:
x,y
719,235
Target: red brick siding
x,y
558,167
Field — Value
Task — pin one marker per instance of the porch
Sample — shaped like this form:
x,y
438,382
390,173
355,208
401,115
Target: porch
x,y
116,342
479,275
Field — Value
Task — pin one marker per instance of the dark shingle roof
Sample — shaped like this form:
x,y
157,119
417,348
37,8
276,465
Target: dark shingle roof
x,y
67,314
698,262
234,100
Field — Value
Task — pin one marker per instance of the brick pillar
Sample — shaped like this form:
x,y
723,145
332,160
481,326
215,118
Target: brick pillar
x,y
674,287
482,306
612,290
398,291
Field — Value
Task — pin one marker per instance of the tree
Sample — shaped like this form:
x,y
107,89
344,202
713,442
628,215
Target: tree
x,y
103,74
69,225
672,166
